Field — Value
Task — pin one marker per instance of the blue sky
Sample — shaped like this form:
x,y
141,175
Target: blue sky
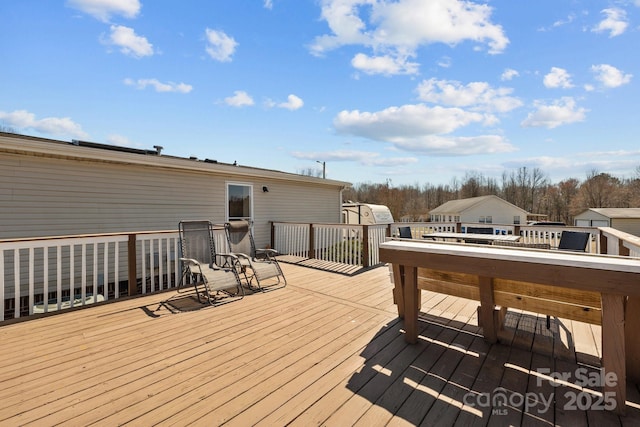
x,y
405,91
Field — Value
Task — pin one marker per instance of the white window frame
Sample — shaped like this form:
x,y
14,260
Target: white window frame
x,y
226,198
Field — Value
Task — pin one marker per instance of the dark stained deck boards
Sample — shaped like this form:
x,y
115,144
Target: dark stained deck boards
x,y
328,349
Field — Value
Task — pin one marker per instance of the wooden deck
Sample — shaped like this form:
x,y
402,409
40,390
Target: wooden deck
x,y
326,350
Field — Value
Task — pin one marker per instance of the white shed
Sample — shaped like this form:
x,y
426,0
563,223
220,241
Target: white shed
x,y
623,219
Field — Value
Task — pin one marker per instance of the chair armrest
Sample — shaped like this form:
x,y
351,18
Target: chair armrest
x,y
190,261
266,253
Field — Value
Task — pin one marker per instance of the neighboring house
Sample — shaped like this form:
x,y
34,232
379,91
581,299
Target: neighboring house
x,y
484,209
52,188
623,219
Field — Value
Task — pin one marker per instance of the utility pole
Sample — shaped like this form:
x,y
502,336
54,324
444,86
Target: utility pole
x,y
324,168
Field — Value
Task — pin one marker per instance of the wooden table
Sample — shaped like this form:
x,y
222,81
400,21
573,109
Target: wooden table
x,y
616,279
463,237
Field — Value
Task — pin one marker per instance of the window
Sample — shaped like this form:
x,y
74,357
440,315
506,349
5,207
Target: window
x,y
239,197
489,219
516,219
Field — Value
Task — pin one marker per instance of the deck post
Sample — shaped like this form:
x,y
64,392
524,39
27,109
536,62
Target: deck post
x,y
410,288
312,242
603,244
613,349
632,343
487,310
132,260
365,246
397,275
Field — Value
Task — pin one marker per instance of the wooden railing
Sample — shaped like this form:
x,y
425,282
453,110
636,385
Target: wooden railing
x,y
53,273
351,244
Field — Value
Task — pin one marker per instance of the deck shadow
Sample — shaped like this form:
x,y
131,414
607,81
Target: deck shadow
x,y
452,376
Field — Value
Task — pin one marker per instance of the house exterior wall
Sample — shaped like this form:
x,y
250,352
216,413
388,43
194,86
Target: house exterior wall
x,y
501,213
628,225
590,216
42,195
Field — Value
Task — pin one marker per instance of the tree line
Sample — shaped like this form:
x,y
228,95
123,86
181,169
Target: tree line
x,y
529,189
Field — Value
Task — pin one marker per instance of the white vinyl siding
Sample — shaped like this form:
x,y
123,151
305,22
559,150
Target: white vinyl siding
x,y
42,196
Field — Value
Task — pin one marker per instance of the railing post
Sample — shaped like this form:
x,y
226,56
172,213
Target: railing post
x,y
622,249
603,244
132,261
273,235
312,242
365,246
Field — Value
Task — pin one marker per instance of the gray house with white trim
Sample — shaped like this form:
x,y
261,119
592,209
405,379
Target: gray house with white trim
x,y
53,188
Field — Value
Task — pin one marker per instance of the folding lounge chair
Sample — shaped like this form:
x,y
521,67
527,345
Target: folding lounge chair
x,y
404,232
258,264
213,275
573,241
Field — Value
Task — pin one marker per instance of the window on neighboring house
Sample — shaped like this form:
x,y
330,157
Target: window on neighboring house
x,y
481,220
239,198
489,219
516,219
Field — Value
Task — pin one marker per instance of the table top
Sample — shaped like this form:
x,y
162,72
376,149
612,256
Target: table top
x,y
573,259
473,236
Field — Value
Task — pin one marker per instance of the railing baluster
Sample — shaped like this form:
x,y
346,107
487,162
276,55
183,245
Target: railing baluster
x,y
31,280
59,276
72,275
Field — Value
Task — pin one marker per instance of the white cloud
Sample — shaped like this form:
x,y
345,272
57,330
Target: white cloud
x,y
419,128
129,42
438,145
615,22
240,98
119,140
220,46
366,158
395,30
610,76
478,95
293,103
104,9
268,4
509,74
561,112
386,64
22,119
159,86
558,78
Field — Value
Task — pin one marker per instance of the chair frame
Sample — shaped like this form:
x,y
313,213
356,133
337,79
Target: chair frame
x,y
197,271
255,259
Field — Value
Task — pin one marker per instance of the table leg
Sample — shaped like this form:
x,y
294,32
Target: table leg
x,y
411,304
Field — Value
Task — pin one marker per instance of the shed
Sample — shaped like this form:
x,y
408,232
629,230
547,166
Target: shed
x,y
623,219
484,209
52,188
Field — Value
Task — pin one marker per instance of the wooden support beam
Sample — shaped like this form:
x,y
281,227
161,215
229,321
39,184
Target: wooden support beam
x,y
613,348
411,304
398,288
632,342
132,261
487,309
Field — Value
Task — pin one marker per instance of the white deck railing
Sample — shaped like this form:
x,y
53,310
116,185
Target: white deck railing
x,y
351,244
54,273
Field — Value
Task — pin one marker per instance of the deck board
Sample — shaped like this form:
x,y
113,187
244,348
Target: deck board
x,y
328,349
